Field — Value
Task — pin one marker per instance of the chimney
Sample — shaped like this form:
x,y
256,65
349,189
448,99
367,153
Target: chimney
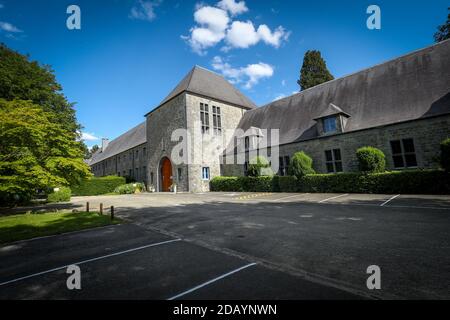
x,y
105,143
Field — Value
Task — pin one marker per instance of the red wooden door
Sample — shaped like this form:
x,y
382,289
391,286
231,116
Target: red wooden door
x,y
166,174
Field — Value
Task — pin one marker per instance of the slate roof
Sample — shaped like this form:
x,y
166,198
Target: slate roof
x,y
414,86
331,111
128,140
210,84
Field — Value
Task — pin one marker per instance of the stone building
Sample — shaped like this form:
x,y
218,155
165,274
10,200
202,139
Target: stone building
x,y
401,107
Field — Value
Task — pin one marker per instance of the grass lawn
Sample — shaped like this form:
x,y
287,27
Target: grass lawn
x,y
27,226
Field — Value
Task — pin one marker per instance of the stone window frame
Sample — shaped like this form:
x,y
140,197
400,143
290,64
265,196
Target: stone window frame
x,y
204,118
404,153
205,174
333,162
217,120
283,169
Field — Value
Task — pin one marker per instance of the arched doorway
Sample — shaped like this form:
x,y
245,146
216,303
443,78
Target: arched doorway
x,y
166,174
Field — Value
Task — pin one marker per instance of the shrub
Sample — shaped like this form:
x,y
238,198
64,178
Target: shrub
x,y
225,184
371,160
61,195
300,165
405,182
130,188
97,185
259,166
445,154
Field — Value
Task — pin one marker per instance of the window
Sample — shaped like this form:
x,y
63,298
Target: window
x,y
333,160
245,168
151,177
205,173
204,117
247,143
217,121
403,153
284,166
145,153
179,171
130,173
118,174
329,124
136,172
137,154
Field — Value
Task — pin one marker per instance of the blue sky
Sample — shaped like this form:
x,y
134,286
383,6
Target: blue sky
x,y
129,54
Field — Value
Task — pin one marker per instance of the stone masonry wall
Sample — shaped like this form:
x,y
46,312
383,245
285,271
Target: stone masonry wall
x,y
205,152
427,135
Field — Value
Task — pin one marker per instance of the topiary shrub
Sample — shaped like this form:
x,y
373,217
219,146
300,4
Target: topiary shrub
x,y
371,160
259,166
300,165
445,155
130,188
61,194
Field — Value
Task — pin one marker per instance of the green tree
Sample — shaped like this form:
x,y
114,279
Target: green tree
x,y
371,160
443,32
36,152
259,166
300,165
314,70
89,152
23,79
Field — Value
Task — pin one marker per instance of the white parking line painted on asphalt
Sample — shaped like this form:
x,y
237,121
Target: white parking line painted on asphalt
x,y
288,197
89,260
211,281
389,200
341,195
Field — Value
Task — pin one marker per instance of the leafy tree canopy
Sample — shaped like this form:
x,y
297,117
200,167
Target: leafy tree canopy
x,y
314,70
23,79
443,32
36,152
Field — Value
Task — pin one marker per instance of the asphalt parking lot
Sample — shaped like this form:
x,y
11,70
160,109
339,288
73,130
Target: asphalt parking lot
x,y
243,246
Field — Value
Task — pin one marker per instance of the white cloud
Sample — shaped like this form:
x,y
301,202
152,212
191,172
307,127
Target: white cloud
x,y
1,6
283,83
249,75
8,27
213,26
213,23
233,7
273,38
88,136
242,35
144,10
280,96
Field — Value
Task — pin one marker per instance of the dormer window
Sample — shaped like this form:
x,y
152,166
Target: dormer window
x,y
332,120
329,124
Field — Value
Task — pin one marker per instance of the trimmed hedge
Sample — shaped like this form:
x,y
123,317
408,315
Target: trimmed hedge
x,y
62,195
405,182
97,185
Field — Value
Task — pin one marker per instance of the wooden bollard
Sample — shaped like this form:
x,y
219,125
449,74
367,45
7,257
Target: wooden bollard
x,y
112,212
101,208
87,206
